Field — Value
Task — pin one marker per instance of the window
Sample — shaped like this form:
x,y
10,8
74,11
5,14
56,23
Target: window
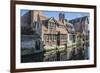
x,y
52,25
48,37
63,36
45,37
53,37
37,24
71,37
61,26
37,45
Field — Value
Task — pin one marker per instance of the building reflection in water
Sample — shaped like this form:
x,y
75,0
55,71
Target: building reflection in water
x,y
64,55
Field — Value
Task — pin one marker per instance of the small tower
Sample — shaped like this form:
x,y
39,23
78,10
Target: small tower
x,y
35,14
61,17
35,19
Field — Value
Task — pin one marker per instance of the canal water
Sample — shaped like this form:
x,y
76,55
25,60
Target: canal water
x,y
65,55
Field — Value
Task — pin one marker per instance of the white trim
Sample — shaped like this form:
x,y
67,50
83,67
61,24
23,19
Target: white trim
x,y
52,64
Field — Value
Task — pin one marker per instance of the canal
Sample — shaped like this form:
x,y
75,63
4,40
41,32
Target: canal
x,y
72,53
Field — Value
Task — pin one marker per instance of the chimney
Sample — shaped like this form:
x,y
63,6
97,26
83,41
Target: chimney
x,y
61,17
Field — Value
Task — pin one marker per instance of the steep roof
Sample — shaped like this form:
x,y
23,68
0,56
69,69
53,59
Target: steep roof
x,y
45,21
79,22
59,22
43,17
80,19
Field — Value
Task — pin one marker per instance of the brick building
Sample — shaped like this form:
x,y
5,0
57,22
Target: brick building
x,y
39,31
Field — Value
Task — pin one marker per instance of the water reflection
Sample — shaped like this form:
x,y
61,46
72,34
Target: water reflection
x,y
67,54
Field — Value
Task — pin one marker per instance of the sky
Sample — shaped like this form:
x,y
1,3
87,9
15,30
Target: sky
x,y
55,14
23,12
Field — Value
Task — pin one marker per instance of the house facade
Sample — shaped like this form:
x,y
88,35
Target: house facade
x,y
30,39
81,27
53,32
39,31
71,33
